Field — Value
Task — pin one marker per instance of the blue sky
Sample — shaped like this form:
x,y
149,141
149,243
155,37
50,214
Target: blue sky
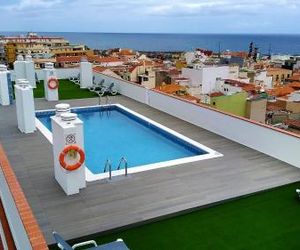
x,y
161,16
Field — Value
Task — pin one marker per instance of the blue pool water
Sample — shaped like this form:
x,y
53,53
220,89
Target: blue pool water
x,y
111,133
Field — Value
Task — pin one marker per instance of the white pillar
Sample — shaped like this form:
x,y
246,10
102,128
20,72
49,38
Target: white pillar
x,y
67,130
19,68
5,86
29,70
86,74
25,107
51,94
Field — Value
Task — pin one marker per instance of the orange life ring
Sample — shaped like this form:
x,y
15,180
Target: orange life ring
x,y
67,150
53,83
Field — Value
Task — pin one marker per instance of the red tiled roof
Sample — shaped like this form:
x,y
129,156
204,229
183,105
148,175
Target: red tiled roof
x,y
271,107
107,59
96,59
216,94
99,69
293,123
70,59
242,54
126,53
295,77
294,85
171,88
248,87
190,98
280,91
132,68
146,63
270,70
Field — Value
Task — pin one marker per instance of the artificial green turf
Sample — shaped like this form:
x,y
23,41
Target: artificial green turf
x,y
66,90
268,220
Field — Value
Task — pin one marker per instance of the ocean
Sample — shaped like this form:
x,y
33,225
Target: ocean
x,y
279,44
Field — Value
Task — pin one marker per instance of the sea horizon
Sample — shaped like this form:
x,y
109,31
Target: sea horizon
x,y
278,43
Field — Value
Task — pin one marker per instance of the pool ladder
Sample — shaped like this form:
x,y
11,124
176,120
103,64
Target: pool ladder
x,y
123,160
107,100
108,166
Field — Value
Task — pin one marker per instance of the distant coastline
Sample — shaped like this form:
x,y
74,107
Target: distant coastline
x,y
278,43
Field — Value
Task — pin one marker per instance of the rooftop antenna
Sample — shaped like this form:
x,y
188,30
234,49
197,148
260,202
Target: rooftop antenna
x,y
255,53
250,53
270,51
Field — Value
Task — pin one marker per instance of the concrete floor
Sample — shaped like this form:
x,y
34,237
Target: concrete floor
x,y
139,197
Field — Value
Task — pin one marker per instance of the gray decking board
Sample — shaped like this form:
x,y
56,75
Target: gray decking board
x,y
106,205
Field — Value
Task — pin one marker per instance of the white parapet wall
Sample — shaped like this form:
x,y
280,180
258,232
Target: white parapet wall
x,y
277,143
132,90
61,73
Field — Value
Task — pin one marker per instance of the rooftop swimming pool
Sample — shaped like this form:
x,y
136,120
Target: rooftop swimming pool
x,y
112,132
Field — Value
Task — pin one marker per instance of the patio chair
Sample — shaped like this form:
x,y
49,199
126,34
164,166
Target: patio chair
x,y
110,90
76,79
298,192
36,77
72,78
63,245
97,86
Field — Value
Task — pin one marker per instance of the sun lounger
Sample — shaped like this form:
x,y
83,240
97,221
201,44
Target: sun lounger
x,y
97,86
91,244
298,192
108,90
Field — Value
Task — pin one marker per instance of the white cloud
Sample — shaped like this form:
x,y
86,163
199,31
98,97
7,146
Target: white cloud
x,y
152,15
219,7
31,4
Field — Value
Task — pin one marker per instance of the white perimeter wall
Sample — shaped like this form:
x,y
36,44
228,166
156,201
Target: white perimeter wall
x,y
272,142
62,73
125,88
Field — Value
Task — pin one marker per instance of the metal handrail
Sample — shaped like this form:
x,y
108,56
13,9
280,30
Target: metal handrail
x,y
99,99
108,101
108,164
123,159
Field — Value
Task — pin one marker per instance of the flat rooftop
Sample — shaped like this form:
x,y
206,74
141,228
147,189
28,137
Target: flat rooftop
x,y
124,201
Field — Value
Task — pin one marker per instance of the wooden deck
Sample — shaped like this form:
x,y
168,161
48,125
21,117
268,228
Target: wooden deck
x,y
140,197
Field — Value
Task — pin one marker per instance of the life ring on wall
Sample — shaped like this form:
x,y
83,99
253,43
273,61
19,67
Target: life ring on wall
x,y
71,151
53,83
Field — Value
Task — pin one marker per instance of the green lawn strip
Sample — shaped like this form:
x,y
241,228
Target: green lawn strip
x,y
66,90
267,220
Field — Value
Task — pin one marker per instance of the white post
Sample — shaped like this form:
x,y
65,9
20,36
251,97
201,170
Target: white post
x,y
67,131
29,70
25,107
50,82
19,68
5,85
86,74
